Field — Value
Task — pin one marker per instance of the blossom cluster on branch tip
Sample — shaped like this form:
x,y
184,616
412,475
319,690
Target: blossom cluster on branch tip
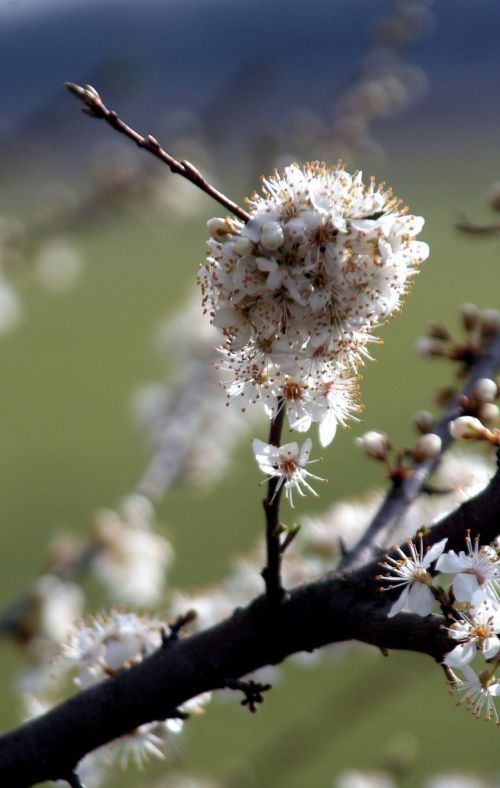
x,y
298,290
473,598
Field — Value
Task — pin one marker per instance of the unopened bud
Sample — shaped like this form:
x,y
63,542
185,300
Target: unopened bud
x,y
375,444
467,428
243,246
423,421
425,346
470,316
427,446
438,330
219,229
485,390
490,322
489,413
272,236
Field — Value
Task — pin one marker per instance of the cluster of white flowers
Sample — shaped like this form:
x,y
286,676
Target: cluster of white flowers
x,y
96,651
475,593
298,290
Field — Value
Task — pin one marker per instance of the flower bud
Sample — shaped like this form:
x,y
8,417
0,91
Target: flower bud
x,y
488,413
438,330
423,421
490,322
467,428
272,236
375,444
243,246
426,346
485,390
470,316
219,228
427,446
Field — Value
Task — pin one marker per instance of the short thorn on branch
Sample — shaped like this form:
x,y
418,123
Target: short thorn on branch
x,y
171,634
95,107
252,690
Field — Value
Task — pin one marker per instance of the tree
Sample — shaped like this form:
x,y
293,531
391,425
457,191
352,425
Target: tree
x,y
296,286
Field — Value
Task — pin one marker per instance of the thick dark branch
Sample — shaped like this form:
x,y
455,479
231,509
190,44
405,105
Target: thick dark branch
x,y
95,107
272,571
328,611
403,492
343,606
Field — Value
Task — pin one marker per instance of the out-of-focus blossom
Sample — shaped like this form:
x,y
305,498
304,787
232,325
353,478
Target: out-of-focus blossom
x,y
132,559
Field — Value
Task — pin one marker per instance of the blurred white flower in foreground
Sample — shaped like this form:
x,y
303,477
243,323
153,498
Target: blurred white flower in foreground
x,y
97,650
132,559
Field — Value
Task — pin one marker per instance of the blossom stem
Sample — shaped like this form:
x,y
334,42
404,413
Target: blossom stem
x,y
272,571
96,109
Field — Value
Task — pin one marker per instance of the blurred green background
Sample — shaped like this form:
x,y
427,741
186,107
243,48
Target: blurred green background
x,y
69,444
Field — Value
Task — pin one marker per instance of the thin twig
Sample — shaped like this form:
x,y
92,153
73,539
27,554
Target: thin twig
x,y
95,107
272,572
404,491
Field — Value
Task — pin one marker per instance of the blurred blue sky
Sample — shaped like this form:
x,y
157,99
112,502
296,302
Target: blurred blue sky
x,y
240,66
183,51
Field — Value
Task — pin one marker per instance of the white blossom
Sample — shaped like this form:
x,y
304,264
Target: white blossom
x,y
476,628
287,464
477,692
478,570
410,572
132,559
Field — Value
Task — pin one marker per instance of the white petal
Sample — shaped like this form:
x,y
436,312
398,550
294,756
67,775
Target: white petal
x,y
327,428
399,603
461,655
420,599
452,563
434,552
490,647
464,587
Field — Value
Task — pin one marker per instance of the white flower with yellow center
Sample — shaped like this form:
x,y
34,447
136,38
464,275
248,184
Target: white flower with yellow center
x,y
478,570
478,693
409,572
287,464
477,628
